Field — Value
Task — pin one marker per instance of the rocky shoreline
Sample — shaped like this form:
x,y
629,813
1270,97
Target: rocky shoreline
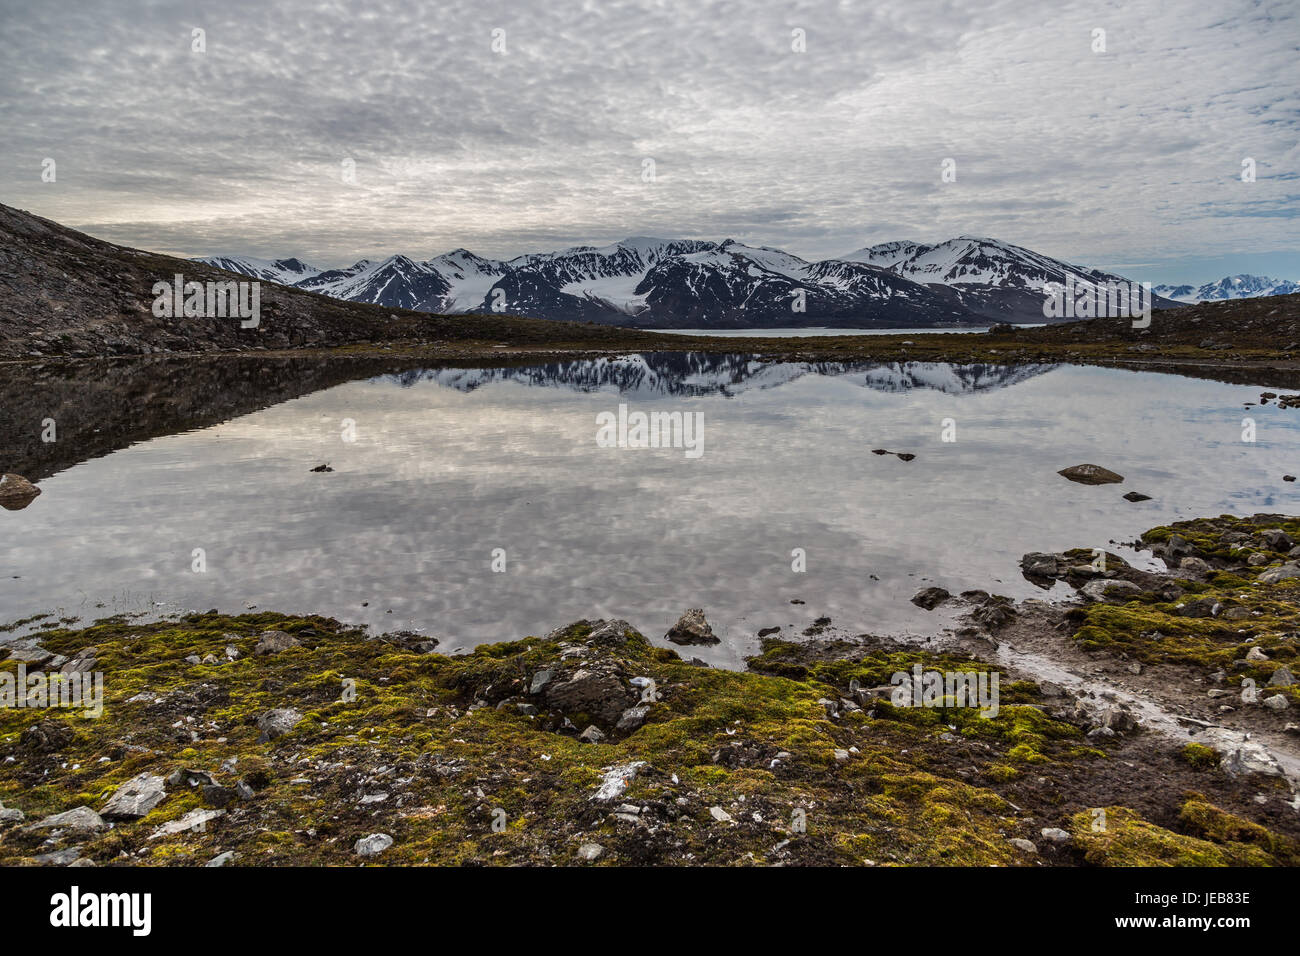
x,y
268,740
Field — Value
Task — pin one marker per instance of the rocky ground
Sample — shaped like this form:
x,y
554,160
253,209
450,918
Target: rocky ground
x,y
264,740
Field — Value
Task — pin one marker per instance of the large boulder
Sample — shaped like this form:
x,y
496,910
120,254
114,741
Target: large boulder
x,y
1091,475
692,628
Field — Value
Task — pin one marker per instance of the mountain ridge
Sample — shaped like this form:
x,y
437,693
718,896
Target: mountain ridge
x,y
651,282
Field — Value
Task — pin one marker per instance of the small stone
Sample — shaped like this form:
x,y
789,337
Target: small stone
x,y
632,718
373,845
221,859
16,492
590,852
1276,702
1136,496
1055,835
592,735
721,815
1026,846
540,680
1256,654
277,723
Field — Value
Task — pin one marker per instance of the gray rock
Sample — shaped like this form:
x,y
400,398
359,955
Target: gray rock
x,y
1256,654
196,820
1055,835
600,693
540,680
1025,846
1281,677
692,628
221,859
135,798
592,735
610,633
277,723
590,852
1037,564
1286,572
1194,565
59,857
1276,702
1104,589
1091,475
273,642
1276,539
373,845
632,718
1201,607
78,820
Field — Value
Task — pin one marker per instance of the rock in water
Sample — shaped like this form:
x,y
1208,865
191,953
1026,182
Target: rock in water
x,y
1091,475
692,628
930,598
16,492
135,798
1136,496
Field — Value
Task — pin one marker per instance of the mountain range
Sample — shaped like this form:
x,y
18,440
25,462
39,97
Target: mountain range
x,y
691,283
1229,287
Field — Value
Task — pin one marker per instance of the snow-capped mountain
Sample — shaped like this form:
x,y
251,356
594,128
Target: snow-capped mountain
x,y
691,283
283,271
1229,287
993,279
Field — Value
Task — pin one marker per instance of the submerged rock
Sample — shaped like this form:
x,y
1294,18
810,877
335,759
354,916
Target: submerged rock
x,y
1091,475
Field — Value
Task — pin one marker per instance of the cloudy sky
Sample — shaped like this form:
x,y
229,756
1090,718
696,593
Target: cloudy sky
x,y
1129,158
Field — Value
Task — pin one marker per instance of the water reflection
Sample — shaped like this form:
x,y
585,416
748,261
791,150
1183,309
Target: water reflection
x,y
449,464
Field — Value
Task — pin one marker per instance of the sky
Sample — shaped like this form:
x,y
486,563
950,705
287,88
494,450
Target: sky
x,y
512,127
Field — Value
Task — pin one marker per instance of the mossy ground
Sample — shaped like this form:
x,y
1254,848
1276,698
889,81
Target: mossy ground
x,y
469,777
1251,613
